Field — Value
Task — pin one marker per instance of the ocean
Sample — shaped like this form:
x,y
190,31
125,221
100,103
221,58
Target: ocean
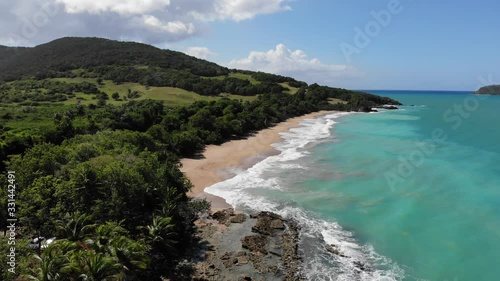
x,y
408,194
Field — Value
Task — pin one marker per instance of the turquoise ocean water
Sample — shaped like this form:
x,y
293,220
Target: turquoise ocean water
x,y
411,194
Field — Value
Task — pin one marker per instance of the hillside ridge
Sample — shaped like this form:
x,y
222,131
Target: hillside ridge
x,y
83,52
93,60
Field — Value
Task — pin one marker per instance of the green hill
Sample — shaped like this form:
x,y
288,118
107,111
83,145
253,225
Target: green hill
x,y
73,53
93,66
489,90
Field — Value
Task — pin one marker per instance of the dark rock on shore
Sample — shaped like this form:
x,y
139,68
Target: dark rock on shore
x,y
242,260
335,250
255,243
291,257
277,224
261,247
228,216
223,216
388,107
361,266
267,223
238,218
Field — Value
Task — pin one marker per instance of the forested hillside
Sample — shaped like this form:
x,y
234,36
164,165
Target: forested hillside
x,y
93,131
73,53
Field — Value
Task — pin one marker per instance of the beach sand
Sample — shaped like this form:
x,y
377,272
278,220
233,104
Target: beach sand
x,y
217,160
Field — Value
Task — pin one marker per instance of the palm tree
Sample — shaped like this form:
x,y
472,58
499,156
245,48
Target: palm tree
x,y
172,199
75,226
97,267
160,234
111,239
104,236
130,253
53,265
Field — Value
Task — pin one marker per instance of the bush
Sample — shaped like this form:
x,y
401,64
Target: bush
x,y
199,206
115,96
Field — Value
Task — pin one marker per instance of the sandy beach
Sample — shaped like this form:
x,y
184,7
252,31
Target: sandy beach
x,y
217,160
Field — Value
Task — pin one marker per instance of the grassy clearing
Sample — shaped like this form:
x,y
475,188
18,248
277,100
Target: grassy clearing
x,y
241,76
27,119
244,77
238,97
170,95
337,101
291,90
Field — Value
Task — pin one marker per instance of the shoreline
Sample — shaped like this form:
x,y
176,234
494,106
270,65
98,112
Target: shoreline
x,y
217,160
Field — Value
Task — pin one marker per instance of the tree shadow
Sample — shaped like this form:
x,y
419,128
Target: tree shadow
x,y
196,252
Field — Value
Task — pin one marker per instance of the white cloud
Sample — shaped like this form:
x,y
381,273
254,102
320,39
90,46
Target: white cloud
x,y
200,52
295,63
205,10
174,27
239,10
117,6
150,21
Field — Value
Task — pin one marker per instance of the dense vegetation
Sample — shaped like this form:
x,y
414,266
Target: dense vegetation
x,y
73,53
99,168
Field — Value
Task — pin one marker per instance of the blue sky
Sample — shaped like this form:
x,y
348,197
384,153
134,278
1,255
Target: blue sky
x,y
442,45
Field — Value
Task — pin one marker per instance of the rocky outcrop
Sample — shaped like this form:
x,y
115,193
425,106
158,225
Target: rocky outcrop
x,y
223,216
267,223
228,216
238,218
334,250
281,239
266,250
255,243
291,258
277,224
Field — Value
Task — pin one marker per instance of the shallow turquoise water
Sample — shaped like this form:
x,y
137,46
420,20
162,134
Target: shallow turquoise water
x,y
439,222
412,194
